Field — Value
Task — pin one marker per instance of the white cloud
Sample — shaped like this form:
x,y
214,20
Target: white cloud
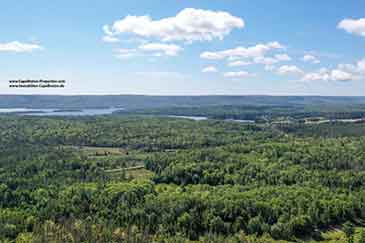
x,y
241,74
348,68
330,75
238,64
358,68
210,69
269,61
212,55
361,66
110,39
16,46
289,69
343,72
282,57
311,58
107,30
353,26
339,75
159,48
241,52
188,25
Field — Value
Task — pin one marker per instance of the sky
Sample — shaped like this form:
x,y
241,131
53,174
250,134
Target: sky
x,y
220,47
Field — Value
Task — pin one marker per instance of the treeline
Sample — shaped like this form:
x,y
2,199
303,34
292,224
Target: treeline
x,y
334,164
131,132
191,211
327,130
259,113
213,181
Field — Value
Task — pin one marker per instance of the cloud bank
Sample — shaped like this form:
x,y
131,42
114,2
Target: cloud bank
x,y
256,51
188,25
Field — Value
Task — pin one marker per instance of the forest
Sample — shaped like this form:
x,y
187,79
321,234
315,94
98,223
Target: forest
x,y
144,178
155,102
260,113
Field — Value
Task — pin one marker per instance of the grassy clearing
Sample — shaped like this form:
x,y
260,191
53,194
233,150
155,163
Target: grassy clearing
x,y
102,151
137,172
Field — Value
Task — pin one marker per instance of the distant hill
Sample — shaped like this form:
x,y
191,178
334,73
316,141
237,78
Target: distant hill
x,y
142,101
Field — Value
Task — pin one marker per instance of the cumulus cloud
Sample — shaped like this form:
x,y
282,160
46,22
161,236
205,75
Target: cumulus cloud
x,y
289,69
348,68
311,58
107,30
258,50
361,66
210,69
241,74
160,48
339,75
330,75
188,25
343,72
16,46
238,64
353,26
244,56
358,68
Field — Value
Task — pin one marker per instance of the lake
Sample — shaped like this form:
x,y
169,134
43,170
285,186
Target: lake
x,y
90,112
202,118
241,121
195,118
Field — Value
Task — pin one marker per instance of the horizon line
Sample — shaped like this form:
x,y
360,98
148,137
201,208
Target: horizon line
x,y
190,95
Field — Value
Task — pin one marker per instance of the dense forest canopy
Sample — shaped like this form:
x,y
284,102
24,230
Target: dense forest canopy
x,y
124,178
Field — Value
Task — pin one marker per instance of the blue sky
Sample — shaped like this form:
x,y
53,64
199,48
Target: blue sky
x,y
185,47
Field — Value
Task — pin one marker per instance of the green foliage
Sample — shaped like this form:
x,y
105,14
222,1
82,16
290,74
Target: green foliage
x,y
359,237
349,230
71,180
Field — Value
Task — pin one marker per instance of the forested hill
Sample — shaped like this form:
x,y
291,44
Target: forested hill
x,y
141,101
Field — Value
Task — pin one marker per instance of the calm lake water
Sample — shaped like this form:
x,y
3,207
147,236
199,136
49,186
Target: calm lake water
x,y
201,118
241,121
195,118
59,112
89,112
